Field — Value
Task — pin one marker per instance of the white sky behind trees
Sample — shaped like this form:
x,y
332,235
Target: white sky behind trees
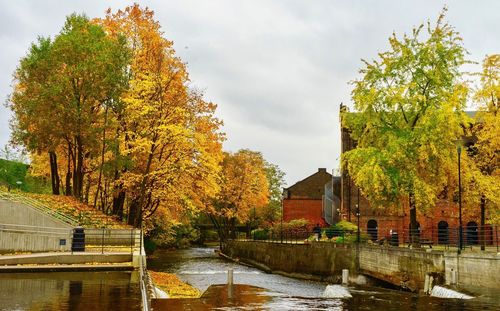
x,y
278,69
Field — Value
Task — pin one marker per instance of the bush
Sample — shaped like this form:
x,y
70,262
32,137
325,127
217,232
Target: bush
x,y
260,234
295,225
345,226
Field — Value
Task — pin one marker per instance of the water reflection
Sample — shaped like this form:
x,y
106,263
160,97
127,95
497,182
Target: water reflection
x,y
70,291
201,267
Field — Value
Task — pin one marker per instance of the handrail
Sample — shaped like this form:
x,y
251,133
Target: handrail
x,y
39,206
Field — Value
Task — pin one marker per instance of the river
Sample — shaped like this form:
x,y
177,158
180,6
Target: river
x,y
70,291
202,267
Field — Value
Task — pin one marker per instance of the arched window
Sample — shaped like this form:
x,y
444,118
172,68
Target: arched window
x,y
471,233
371,228
443,232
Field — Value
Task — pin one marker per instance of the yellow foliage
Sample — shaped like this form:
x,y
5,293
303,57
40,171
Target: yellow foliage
x,y
171,284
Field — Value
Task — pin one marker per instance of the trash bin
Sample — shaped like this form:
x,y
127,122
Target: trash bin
x,y
78,244
394,241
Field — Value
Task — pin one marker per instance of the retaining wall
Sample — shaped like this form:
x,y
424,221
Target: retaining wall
x,y
399,266
15,213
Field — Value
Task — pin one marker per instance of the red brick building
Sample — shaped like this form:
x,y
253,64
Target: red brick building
x,y
304,199
439,224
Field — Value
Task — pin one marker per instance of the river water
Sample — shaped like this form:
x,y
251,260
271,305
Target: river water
x,y
84,291
202,267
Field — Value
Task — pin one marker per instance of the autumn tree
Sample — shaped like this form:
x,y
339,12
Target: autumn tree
x,y
484,182
169,134
61,90
409,105
244,186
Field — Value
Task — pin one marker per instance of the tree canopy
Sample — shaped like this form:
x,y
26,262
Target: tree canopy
x,y
409,107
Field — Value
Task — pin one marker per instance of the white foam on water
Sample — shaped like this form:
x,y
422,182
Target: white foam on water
x,y
336,291
216,272
442,292
160,293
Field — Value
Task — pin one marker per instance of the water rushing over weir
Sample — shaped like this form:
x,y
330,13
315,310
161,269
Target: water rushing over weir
x,y
201,267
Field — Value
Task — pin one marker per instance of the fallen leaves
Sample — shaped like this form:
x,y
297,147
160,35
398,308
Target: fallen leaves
x,y
171,284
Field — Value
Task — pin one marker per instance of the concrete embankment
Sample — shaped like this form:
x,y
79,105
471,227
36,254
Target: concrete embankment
x,y
399,266
44,262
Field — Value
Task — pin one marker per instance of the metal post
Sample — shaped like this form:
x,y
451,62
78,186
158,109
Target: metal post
x,y
281,224
460,241
496,233
102,242
131,241
357,215
140,242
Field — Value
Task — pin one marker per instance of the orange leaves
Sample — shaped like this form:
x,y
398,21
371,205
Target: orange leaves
x,y
173,285
244,185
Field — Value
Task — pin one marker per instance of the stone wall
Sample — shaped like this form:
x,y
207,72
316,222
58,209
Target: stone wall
x,y
473,269
398,266
401,266
312,259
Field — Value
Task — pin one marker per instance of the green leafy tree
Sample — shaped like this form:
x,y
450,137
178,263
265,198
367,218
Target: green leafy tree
x,y
276,181
409,105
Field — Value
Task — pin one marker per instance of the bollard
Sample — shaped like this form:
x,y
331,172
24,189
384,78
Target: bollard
x,y
426,284
453,277
230,277
431,280
345,276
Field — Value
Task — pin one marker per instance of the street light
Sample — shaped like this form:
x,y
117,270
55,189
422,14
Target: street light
x,y
281,223
357,215
460,237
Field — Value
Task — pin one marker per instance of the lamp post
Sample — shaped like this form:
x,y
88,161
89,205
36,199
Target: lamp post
x,y
460,237
357,216
281,222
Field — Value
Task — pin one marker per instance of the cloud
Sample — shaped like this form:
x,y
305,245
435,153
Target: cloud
x,y
278,69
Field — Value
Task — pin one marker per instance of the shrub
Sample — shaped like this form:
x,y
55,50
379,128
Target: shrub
x,y
345,226
260,234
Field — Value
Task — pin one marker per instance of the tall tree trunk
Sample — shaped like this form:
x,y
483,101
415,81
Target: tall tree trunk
x,y
54,174
78,174
68,172
87,191
136,209
103,149
118,199
133,212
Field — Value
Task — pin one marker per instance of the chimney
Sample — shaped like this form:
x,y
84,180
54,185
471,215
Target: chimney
x,y
322,169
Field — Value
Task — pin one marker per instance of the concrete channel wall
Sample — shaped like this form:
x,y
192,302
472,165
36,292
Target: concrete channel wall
x,y
295,259
15,213
400,266
26,229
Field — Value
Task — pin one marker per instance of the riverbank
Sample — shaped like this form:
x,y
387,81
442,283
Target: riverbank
x,y
401,267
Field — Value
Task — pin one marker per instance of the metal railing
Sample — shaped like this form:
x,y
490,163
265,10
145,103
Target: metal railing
x,y
103,240
39,206
486,238
97,240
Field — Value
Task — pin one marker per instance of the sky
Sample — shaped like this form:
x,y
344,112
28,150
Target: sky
x,y
277,69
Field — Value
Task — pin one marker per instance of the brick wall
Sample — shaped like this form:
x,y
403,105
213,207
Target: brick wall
x,y
309,209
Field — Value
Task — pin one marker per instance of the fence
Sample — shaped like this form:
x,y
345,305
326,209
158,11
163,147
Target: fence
x,y
24,238
485,238
112,240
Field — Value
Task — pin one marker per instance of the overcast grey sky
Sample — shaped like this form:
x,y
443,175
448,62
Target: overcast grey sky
x,y
278,69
